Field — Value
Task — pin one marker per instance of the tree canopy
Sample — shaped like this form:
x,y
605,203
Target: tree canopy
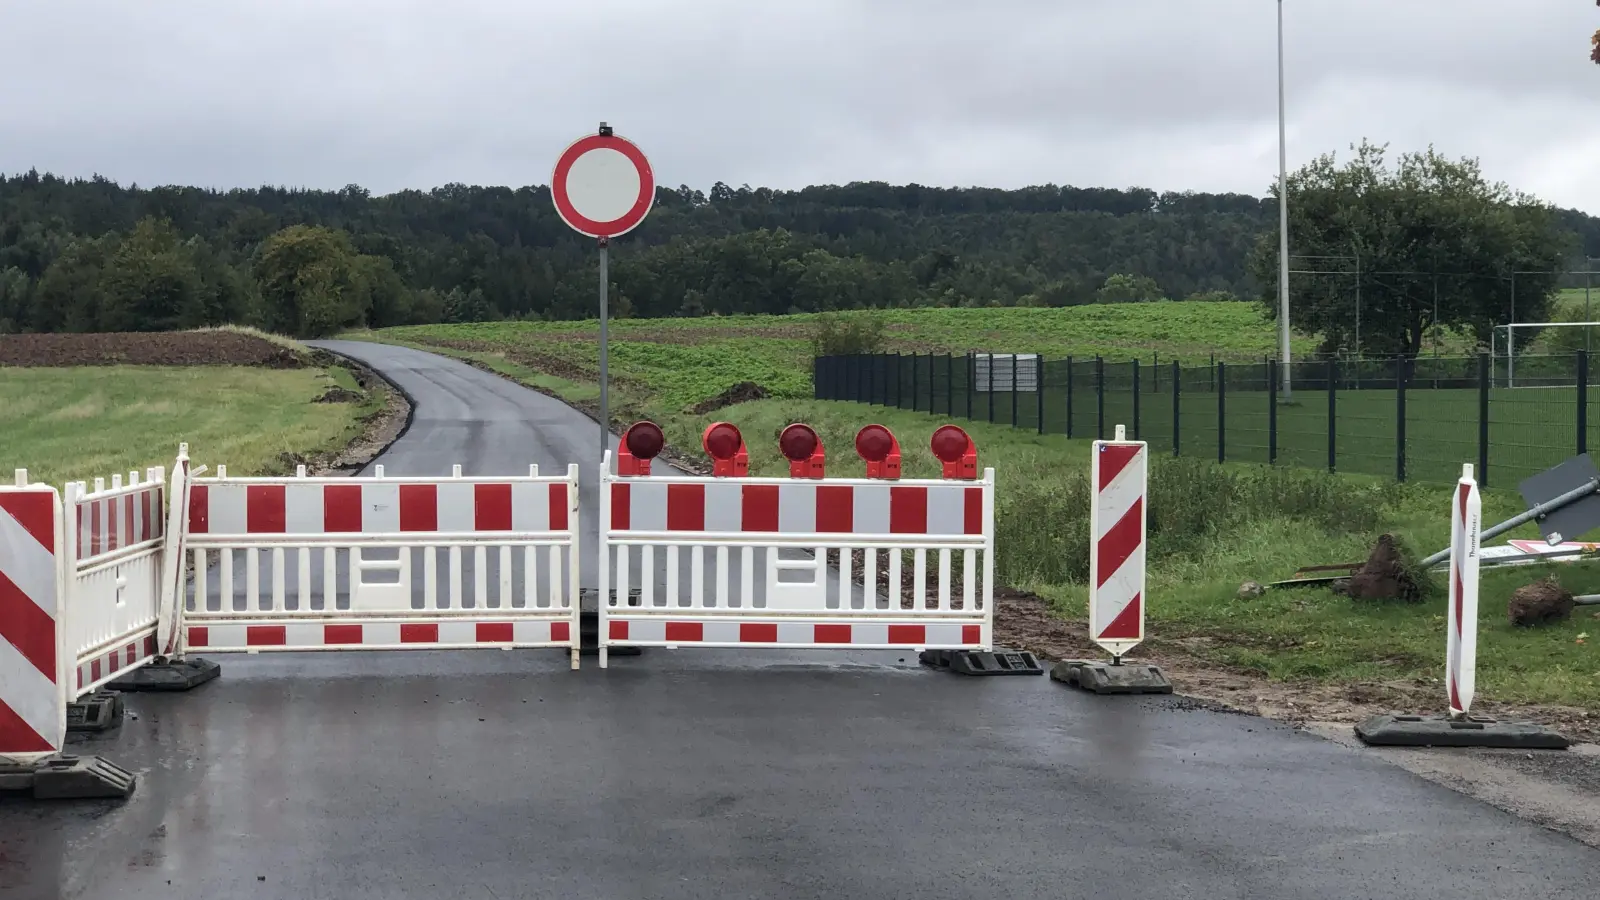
x,y
89,254
1395,251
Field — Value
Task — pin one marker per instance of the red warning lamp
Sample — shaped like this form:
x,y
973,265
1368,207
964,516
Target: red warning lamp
x,y
801,446
955,450
726,448
641,443
877,445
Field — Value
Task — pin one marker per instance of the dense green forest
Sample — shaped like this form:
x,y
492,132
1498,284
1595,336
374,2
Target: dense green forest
x,y
90,255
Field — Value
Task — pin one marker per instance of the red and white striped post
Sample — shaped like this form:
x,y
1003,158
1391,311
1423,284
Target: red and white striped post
x,y
33,705
1461,655
1119,471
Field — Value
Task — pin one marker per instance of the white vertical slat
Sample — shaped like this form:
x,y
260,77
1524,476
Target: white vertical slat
x,y
846,591
430,577
697,577
892,598
721,599
647,576
201,587
225,597
556,588
454,602
672,576
302,598
944,578
919,579
252,578
869,579
506,601
480,577
969,571
330,578
622,578
747,577
530,584
278,588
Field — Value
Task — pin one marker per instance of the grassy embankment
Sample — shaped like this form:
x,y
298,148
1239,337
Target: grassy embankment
x,y
79,422
1212,526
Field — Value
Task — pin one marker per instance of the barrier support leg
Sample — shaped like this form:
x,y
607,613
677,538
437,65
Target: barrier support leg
x,y
1114,677
1000,661
66,777
96,712
167,673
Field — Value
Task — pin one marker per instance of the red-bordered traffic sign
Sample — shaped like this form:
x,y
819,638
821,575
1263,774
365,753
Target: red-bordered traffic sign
x,y
603,186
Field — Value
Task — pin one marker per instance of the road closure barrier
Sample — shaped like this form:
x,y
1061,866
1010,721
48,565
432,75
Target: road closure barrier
x,y
800,562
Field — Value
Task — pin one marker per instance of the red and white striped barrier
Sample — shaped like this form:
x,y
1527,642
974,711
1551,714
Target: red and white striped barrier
x,y
736,561
113,557
1461,654
425,563
1119,473
33,710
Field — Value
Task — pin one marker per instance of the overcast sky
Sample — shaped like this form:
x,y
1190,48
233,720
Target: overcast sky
x,y
1169,94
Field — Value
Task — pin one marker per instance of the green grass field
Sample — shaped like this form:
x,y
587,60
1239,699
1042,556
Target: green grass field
x,y
77,423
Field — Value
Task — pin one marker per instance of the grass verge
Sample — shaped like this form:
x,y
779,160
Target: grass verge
x,y
81,422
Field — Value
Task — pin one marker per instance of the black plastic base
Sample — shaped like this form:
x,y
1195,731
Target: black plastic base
x,y
1470,731
1105,678
70,778
100,711
173,675
983,662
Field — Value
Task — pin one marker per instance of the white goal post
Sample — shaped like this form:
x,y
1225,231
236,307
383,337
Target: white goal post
x,y
1503,346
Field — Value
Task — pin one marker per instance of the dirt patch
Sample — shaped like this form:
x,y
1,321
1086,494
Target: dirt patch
x,y
180,348
379,429
340,395
1384,576
743,392
1540,603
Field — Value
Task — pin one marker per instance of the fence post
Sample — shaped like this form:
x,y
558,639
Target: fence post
x,y
1400,418
1483,420
1136,399
1177,380
972,382
1016,385
1333,414
915,394
1583,401
1220,373
1069,397
1272,412
950,385
1038,388
1100,398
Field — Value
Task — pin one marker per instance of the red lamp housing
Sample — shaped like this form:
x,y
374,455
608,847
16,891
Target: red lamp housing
x,y
641,443
877,445
954,448
725,446
801,446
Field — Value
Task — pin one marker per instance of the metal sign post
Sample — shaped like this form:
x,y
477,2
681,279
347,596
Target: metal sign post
x,y
603,187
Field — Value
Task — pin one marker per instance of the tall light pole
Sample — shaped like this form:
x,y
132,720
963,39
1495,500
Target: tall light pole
x,y
1283,221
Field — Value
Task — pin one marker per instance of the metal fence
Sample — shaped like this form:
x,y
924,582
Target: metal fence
x,y
1407,419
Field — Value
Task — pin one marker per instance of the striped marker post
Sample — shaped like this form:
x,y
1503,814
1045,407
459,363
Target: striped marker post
x,y
1461,655
1119,473
33,711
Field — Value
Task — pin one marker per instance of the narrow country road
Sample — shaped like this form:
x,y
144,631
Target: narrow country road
x,y
691,775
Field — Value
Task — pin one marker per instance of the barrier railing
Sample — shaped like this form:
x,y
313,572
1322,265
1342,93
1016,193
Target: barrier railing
x,y
113,555
738,561
382,563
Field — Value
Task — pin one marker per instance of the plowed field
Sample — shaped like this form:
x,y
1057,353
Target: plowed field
x,y
184,348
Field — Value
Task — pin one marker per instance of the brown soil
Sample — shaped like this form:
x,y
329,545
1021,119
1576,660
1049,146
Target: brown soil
x,y
1539,603
743,392
182,348
379,429
1384,576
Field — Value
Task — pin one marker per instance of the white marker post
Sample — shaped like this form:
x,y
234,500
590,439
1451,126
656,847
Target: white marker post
x,y
1461,655
603,187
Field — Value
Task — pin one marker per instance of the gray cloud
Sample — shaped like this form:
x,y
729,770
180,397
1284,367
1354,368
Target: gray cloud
x,y
1171,94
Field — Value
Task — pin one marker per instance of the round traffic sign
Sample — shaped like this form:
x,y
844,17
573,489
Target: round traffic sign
x,y
603,185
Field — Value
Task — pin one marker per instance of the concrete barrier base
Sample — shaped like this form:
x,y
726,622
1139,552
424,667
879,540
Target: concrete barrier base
x,y
1100,677
172,675
100,711
63,777
1469,731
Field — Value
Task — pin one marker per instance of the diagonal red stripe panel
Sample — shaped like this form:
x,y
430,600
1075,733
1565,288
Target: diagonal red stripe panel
x,y
17,736
35,512
28,628
1125,627
1113,459
1119,543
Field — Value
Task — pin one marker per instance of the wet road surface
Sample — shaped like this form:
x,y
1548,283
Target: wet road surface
x,y
705,774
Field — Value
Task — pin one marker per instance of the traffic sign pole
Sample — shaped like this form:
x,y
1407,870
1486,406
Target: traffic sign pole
x,y
603,187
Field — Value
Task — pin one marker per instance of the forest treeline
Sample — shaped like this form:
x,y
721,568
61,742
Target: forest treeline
x,y
91,255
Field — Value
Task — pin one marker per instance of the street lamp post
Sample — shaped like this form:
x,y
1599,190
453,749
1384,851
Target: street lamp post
x,y
1283,222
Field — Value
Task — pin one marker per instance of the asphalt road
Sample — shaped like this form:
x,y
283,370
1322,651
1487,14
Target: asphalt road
x,y
708,774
